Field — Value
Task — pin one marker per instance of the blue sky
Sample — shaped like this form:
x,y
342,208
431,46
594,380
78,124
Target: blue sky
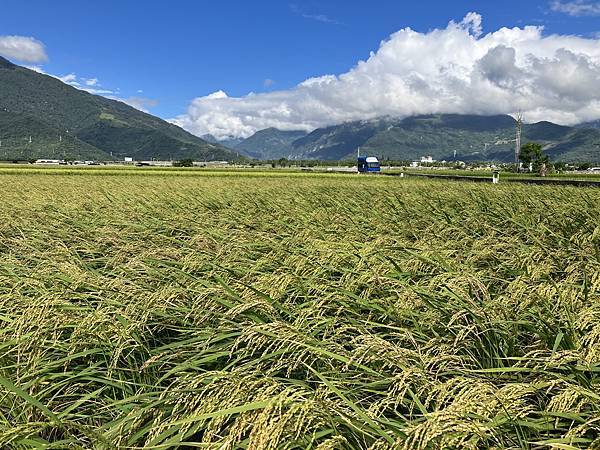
x,y
173,52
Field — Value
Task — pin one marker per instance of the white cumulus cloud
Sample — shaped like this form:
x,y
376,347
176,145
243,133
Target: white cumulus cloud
x,y
70,79
452,70
23,48
93,86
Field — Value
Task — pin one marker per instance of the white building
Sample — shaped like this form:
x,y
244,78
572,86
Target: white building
x,y
50,162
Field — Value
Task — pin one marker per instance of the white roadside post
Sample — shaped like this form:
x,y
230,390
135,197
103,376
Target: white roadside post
x,y
495,177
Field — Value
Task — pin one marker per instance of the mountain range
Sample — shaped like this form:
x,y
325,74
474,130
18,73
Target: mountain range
x,y
229,142
594,124
271,143
42,117
442,136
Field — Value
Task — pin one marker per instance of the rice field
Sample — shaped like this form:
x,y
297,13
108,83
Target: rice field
x,y
227,310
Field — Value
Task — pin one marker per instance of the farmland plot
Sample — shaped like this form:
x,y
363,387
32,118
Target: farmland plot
x,y
228,311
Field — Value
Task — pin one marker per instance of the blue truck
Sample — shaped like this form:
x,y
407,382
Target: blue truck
x,y
368,164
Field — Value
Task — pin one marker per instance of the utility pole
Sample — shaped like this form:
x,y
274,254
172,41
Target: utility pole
x,y
518,138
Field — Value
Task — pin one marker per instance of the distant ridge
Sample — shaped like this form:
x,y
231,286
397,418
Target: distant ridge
x,y
6,64
442,136
594,124
41,117
271,143
230,142
69,123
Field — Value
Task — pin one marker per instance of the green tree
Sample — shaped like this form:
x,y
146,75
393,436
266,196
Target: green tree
x,y
531,154
560,166
187,162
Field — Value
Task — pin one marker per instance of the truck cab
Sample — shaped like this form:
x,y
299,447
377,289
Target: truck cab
x,y
368,164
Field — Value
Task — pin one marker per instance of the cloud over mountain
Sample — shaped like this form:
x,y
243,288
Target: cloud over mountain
x,y
23,48
452,70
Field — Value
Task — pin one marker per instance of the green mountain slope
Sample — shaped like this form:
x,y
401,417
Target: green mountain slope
x,y
446,137
570,144
338,141
449,137
270,143
440,136
594,124
23,137
230,142
413,137
106,126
